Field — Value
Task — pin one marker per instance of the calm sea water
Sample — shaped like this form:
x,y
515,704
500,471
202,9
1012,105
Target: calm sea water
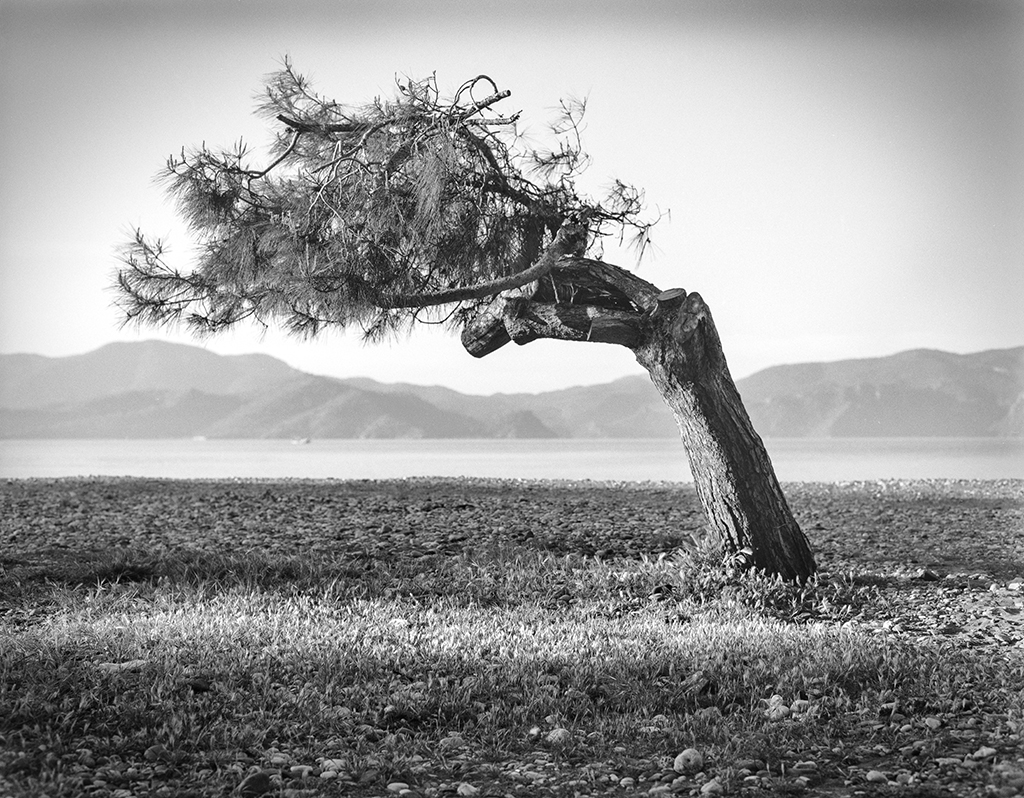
x,y
795,460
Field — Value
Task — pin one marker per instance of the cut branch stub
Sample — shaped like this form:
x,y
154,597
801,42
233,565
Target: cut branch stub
x,y
668,300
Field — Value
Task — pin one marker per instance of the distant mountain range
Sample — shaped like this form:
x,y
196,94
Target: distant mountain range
x,y
161,390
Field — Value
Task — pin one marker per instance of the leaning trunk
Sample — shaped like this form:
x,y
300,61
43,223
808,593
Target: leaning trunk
x,y
673,336
733,475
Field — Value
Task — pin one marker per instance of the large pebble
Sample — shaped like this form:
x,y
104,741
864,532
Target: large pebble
x,y
156,753
467,789
255,784
877,777
713,787
689,761
559,737
778,712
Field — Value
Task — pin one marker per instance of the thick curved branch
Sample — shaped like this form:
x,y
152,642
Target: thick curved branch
x,y
522,321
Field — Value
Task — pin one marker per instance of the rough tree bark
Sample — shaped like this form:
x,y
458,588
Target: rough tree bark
x,y
673,336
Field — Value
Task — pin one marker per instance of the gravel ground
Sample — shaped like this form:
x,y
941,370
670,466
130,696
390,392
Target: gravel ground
x,y
946,552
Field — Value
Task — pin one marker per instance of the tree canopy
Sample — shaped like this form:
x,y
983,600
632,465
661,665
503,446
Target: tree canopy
x,y
416,208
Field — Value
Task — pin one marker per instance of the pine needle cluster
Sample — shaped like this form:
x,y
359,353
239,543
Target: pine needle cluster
x,y
366,215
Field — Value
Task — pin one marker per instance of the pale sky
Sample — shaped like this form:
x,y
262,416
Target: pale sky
x,y
845,179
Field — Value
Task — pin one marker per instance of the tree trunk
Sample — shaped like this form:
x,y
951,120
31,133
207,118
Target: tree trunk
x,y
673,336
731,470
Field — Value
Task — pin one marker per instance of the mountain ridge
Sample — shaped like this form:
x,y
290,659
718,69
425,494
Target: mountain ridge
x,y
154,389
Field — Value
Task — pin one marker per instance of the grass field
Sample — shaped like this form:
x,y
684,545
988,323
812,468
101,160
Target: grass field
x,y
431,638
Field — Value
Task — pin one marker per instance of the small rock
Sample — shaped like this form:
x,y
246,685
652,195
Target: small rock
x,y
689,761
333,764
465,788
397,786
156,753
877,777
455,741
984,753
626,781
933,723
713,787
122,667
198,684
778,712
327,775
255,784
559,737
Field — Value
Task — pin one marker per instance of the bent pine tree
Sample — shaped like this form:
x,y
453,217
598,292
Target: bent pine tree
x,y
423,209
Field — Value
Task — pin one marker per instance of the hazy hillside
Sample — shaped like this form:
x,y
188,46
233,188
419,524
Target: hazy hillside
x,y
160,390
922,392
34,381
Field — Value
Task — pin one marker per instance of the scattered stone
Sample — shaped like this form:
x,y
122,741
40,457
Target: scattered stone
x,y
397,786
627,781
933,723
559,737
157,753
467,789
198,684
778,712
689,761
984,753
877,777
122,667
255,784
713,787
